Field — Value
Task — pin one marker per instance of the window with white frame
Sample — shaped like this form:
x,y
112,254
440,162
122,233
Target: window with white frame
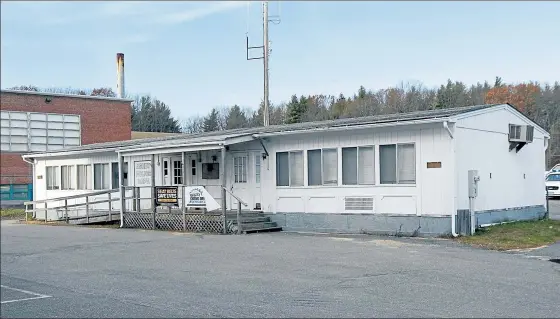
x,y
53,177
289,168
257,168
101,176
35,132
84,177
68,177
322,167
240,168
358,165
397,164
177,172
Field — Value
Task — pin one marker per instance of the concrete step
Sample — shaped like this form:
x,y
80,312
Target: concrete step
x,y
263,230
249,219
258,225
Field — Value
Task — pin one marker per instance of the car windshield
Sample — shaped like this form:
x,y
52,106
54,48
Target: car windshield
x,y
553,178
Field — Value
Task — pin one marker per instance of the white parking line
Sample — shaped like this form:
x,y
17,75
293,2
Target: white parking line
x,y
37,296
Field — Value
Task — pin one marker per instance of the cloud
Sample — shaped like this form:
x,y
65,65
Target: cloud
x,y
199,13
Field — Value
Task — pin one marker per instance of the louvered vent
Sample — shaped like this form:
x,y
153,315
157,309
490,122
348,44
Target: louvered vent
x,y
358,203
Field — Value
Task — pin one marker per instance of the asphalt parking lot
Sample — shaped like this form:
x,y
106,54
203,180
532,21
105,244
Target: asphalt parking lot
x,y
50,271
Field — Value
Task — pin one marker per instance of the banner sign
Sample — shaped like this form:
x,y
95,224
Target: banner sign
x,y
167,196
198,197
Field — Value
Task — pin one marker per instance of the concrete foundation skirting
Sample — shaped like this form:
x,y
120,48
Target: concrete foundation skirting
x,y
510,214
394,224
386,224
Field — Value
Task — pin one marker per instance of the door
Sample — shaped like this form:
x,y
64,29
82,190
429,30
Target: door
x,y
257,195
240,177
166,171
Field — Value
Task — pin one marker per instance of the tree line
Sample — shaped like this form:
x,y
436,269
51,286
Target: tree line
x,y
540,102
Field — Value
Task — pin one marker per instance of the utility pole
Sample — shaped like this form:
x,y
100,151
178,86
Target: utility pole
x,y
265,62
265,57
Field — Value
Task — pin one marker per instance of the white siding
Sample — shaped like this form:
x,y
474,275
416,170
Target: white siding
x,y
434,185
41,191
516,180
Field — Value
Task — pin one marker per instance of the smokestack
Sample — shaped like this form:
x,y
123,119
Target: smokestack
x,y
120,75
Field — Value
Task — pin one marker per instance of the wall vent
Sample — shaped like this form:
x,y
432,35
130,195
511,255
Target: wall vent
x,y
358,204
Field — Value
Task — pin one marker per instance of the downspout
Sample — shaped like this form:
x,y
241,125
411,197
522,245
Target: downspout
x,y
454,212
32,180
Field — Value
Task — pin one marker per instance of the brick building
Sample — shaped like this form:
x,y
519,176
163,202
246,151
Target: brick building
x,y
39,122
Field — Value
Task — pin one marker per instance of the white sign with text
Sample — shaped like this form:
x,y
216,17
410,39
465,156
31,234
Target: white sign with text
x,y
198,196
142,173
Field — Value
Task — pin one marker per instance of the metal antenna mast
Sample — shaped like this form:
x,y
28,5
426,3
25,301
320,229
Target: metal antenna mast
x,y
266,53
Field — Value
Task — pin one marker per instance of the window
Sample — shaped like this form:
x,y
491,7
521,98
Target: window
x,y
240,169
397,163
38,132
115,174
210,171
68,177
165,168
358,165
84,176
257,168
53,177
289,168
101,176
177,172
322,167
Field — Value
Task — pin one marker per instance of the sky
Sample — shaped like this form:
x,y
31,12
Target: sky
x,y
191,55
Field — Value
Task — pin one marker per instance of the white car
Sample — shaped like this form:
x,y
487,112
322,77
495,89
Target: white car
x,y
552,183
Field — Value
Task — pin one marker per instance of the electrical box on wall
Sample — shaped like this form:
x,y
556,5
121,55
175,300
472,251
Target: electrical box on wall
x,y
473,183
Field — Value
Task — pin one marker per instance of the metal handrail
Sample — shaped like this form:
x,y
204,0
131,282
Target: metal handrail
x,y
234,196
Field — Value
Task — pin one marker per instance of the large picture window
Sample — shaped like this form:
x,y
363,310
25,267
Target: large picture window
x,y
53,177
68,177
84,177
322,167
358,165
397,164
289,168
101,176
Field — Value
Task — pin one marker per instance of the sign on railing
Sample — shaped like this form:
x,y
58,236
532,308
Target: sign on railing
x,y
167,196
198,197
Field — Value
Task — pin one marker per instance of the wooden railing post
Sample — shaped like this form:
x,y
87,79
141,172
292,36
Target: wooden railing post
x,y
66,211
184,207
239,217
110,207
136,195
87,209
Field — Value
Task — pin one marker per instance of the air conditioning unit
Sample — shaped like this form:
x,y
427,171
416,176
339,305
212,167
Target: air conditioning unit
x,y
521,133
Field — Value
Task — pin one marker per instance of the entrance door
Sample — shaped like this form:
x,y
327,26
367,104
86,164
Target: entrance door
x,y
257,195
240,177
246,179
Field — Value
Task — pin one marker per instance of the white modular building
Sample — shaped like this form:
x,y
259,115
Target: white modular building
x,y
407,174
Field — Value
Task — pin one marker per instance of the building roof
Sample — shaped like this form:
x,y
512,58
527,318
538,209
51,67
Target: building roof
x,y
77,96
136,135
216,136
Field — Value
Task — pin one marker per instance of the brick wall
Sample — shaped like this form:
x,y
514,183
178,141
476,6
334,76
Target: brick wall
x,y
101,121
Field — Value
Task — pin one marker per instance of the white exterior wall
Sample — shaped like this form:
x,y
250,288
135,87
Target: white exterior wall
x,y
482,144
431,195
40,185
